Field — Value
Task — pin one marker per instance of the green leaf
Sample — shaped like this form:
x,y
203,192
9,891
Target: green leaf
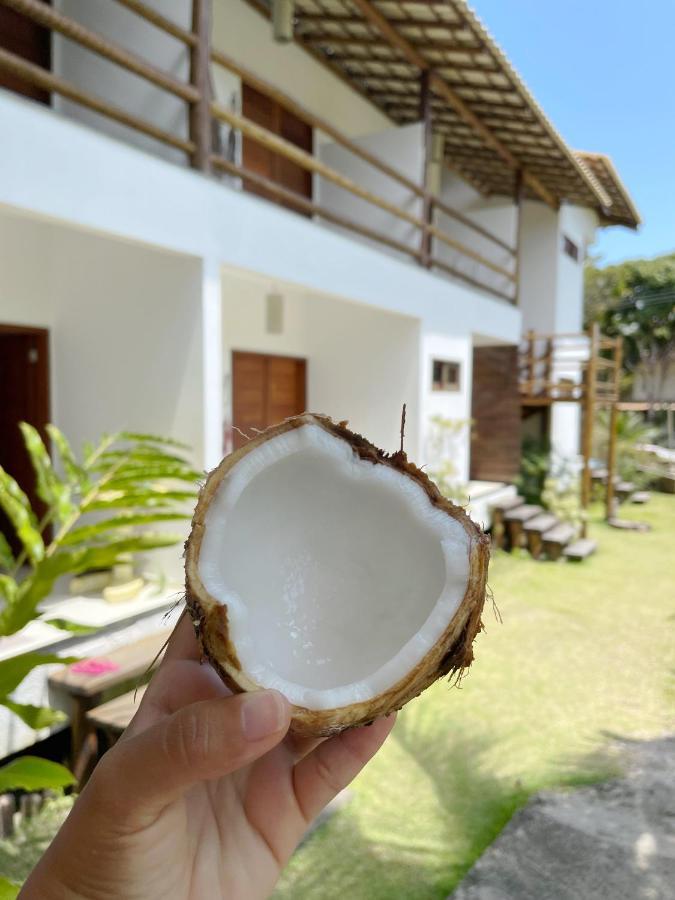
x,y
31,773
155,496
152,439
48,486
72,627
9,890
35,717
6,556
74,471
8,588
88,532
132,473
17,508
37,586
14,670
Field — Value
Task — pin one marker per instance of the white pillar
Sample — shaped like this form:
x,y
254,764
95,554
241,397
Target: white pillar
x,y
212,362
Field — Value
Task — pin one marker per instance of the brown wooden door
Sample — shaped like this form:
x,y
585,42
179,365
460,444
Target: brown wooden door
x,y
30,41
495,411
265,390
259,159
24,397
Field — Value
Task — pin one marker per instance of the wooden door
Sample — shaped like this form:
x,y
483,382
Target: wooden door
x,y
24,397
31,42
265,390
273,116
495,411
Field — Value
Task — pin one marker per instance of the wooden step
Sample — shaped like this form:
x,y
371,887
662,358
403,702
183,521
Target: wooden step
x,y
515,519
580,549
498,511
557,538
508,503
624,489
535,528
640,497
114,716
522,513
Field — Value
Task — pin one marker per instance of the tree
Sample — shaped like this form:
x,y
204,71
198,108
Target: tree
x,y
636,300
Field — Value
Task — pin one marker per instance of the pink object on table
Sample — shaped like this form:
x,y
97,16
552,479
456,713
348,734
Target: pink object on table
x,y
94,666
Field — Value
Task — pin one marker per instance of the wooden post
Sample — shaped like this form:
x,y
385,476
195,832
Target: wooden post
x,y
427,203
587,432
613,422
530,338
518,198
200,109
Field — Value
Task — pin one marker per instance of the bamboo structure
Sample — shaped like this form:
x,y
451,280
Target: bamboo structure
x,y
598,387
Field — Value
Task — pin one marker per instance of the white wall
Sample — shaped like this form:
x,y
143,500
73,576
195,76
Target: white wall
x,y
579,226
455,405
402,148
113,83
362,364
497,215
538,266
54,168
125,329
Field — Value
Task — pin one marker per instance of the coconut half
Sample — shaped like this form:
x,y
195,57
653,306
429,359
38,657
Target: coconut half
x,y
333,572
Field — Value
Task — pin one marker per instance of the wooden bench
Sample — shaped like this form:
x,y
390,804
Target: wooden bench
x,y
498,511
113,717
534,529
87,691
557,538
624,489
580,549
515,519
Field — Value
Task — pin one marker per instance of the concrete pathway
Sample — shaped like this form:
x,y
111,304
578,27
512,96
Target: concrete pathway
x,y
614,841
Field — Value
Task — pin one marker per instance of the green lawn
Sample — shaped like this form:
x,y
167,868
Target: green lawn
x,y
585,652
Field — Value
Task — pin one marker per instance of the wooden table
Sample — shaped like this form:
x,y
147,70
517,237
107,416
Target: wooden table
x,y
113,717
132,662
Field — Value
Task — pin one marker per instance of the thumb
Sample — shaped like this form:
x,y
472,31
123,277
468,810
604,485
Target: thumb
x,y
199,742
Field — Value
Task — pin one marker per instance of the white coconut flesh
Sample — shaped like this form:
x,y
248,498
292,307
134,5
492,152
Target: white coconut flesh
x,y
338,574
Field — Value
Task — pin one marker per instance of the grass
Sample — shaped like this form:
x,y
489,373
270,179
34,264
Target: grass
x,y
585,653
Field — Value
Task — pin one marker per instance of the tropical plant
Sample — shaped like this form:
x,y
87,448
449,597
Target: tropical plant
x,y
535,462
632,432
635,300
97,511
442,437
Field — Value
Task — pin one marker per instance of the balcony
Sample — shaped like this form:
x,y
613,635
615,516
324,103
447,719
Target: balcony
x,y
364,187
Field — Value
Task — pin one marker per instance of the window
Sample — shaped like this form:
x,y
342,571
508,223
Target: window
x,y
570,248
445,375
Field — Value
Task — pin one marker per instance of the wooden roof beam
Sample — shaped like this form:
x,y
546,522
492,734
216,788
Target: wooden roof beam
x,y
440,86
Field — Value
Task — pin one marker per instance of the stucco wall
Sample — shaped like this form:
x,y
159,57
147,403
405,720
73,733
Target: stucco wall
x,y
400,147
495,214
361,363
125,329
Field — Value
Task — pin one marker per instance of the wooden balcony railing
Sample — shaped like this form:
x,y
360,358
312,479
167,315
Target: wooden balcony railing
x,y
495,275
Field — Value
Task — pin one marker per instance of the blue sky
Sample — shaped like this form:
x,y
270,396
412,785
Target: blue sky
x,y
604,73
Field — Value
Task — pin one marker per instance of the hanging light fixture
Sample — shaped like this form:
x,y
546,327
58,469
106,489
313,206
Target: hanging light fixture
x,y
282,20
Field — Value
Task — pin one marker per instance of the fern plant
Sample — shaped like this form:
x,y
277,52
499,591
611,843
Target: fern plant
x,y
129,481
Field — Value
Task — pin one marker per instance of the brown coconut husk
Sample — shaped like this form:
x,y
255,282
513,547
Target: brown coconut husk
x,y
451,655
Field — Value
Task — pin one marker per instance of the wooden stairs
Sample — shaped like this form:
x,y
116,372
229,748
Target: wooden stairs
x,y
517,524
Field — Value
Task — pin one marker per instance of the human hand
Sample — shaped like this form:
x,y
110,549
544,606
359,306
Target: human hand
x,y
204,796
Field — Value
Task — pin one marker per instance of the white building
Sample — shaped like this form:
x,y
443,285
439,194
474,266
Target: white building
x,y
171,295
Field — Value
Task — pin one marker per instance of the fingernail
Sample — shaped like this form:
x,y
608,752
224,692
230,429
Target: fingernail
x,y
262,713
